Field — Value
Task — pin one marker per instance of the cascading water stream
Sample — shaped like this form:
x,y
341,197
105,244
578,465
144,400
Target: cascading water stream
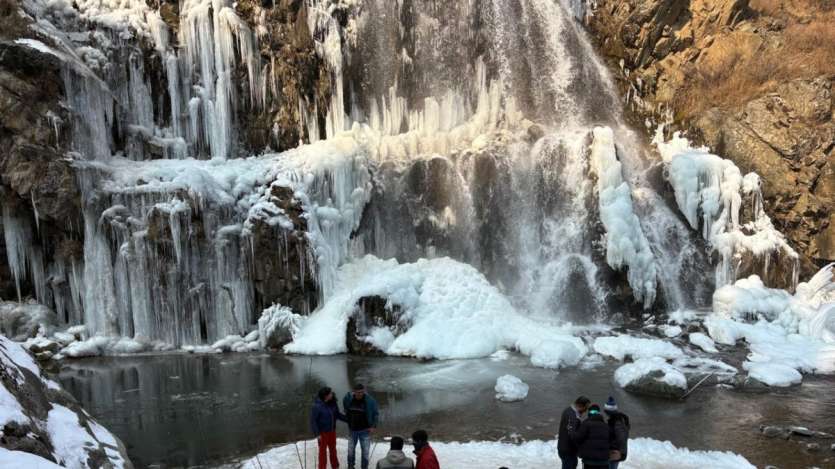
x,y
460,129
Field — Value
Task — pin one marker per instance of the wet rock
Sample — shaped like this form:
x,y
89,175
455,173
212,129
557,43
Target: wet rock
x,y
813,447
770,431
801,431
374,325
780,126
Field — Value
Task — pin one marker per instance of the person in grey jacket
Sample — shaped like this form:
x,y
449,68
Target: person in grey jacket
x,y
396,459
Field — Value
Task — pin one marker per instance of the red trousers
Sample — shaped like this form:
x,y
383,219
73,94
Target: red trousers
x,y
327,442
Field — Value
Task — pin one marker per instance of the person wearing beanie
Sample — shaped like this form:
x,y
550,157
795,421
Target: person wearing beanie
x,y
592,440
396,459
618,433
426,458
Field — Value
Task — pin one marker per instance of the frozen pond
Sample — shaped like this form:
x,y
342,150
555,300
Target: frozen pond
x,y
205,410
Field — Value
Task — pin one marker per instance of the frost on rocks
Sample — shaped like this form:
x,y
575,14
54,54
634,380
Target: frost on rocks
x,y
510,389
644,453
277,326
53,428
703,342
652,376
626,244
787,334
709,191
452,309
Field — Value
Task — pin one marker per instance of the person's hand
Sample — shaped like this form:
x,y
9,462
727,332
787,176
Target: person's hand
x,y
371,430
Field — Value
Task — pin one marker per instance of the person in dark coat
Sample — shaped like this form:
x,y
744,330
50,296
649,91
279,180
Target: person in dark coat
x,y
618,433
569,422
426,458
361,413
592,440
323,419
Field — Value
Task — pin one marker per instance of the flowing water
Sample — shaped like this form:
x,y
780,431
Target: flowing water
x,y
206,410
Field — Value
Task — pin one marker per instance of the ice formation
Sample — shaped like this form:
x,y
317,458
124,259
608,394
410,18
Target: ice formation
x,y
452,310
644,453
632,373
784,332
710,191
510,389
626,244
622,346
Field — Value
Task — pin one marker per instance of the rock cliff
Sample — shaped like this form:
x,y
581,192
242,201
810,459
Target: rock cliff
x,y
751,79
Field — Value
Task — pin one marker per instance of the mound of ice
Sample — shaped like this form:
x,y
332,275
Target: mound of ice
x,y
453,311
511,389
793,332
620,347
626,244
644,453
703,342
50,424
652,376
773,374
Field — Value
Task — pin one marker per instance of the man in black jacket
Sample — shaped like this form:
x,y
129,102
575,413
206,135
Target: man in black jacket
x,y
569,422
618,433
592,440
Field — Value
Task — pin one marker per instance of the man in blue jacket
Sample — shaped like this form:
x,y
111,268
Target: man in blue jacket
x,y
362,414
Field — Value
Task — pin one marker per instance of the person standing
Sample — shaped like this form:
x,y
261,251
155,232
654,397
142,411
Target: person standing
x,y
592,440
361,414
618,433
569,422
396,459
426,458
323,419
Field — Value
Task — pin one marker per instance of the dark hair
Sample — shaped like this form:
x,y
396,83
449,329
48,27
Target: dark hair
x,y
583,401
420,436
359,387
396,443
323,393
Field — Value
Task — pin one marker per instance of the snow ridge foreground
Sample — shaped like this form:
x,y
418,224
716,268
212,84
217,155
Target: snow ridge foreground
x,y
36,414
644,453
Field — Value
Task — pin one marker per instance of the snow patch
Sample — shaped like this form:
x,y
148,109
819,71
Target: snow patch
x,y
620,347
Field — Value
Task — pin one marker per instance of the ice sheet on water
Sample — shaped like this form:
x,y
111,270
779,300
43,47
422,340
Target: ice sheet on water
x,y
452,310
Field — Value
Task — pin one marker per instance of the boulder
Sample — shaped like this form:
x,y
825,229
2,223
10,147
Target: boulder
x,y
277,326
652,376
374,326
42,419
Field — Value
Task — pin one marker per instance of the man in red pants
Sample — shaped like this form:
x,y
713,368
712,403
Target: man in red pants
x,y
323,419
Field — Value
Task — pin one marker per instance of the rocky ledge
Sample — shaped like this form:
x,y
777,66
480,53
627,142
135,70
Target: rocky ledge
x,y
751,79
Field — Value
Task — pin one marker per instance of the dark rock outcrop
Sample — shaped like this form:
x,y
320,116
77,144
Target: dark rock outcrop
x,y
372,312
751,80
46,421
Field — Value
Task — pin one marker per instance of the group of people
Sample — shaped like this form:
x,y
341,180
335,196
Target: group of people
x,y
598,438
361,415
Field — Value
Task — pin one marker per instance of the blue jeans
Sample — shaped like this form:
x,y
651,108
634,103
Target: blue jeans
x,y
569,462
364,439
613,464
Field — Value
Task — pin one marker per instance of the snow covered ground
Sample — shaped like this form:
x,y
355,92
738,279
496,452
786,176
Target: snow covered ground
x,y
644,453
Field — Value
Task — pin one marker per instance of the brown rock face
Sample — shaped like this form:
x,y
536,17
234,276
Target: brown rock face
x,y
751,80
